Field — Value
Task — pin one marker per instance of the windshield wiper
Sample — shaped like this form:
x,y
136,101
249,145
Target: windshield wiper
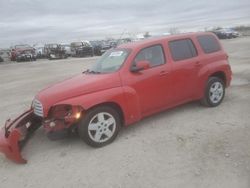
x,y
91,72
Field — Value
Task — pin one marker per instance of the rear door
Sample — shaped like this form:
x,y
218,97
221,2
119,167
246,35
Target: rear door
x,y
185,69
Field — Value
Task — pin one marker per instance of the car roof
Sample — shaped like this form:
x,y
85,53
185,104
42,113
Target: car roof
x,y
154,40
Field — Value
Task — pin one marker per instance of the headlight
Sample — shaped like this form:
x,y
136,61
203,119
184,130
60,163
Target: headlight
x,y
60,111
66,112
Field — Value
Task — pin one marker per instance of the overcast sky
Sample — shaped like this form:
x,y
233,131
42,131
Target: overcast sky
x,y
40,21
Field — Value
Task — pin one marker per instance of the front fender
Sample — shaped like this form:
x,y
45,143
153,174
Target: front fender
x,y
124,97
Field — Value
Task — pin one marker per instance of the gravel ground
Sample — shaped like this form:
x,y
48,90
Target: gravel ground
x,y
188,146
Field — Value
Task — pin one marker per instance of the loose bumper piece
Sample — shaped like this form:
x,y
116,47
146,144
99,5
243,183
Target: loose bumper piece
x,y
15,133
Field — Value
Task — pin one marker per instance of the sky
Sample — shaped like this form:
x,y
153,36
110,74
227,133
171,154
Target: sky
x,y
64,21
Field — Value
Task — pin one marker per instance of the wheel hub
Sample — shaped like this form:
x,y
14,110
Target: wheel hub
x,y
216,92
101,127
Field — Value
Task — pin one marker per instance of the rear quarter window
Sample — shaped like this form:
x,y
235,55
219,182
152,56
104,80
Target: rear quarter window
x,y
182,49
208,43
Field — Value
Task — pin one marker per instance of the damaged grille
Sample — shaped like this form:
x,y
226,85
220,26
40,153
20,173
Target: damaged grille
x,y
38,108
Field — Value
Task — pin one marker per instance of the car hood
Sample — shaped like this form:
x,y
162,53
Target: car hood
x,y
78,85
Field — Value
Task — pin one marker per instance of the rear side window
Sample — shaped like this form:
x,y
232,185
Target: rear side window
x,y
182,49
153,54
209,43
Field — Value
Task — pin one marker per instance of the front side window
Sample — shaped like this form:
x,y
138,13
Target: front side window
x,y
209,43
111,61
182,49
154,55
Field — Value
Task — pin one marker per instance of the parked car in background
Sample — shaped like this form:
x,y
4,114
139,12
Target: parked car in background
x,y
105,46
55,51
67,49
97,47
39,50
226,33
4,55
26,55
124,41
23,52
81,49
100,47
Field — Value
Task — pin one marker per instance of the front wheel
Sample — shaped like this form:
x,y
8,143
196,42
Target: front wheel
x,y
214,93
99,126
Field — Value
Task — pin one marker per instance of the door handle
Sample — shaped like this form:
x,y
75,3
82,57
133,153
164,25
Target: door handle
x,y
162,73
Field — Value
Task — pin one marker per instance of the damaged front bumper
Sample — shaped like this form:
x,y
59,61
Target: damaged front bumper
x,y
15,133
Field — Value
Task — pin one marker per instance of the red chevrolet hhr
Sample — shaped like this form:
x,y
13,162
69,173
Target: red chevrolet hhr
x,y
136,80
131,82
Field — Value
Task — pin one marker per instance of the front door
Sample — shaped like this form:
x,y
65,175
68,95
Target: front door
x,y
152,85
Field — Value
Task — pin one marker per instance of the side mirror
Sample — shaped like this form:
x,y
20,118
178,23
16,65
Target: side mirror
x,y
140,65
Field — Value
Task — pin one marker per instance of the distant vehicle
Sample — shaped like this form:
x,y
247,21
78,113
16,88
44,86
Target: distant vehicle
x,y
123,41
100,47
67,49
106,45
226,33
26,55
4,55
55,51
23,52
39,50
81,49
97,47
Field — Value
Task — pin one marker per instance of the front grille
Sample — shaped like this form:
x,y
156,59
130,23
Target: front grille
x,y
38,108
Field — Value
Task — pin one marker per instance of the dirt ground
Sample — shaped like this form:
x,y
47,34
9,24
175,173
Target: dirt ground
x,y
188,146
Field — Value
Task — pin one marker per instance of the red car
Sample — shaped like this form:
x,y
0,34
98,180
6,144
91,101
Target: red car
x,y
22,52
126,84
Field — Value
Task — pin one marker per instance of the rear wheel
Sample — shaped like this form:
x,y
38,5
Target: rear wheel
x,y
100,126
214,93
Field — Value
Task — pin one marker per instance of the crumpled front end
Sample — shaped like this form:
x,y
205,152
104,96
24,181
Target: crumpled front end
x,y
57,123
15,133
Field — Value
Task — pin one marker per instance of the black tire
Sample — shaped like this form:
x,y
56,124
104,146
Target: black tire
x,y
85,133
207,101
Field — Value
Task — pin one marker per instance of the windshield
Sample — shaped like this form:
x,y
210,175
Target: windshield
x,y
111,61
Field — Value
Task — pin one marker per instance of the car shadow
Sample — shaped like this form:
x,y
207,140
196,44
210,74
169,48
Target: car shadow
x,y
153,119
